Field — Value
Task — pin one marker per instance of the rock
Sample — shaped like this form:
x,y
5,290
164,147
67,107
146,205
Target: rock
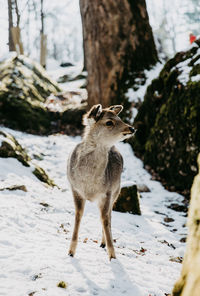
x,y
143,188
167,123
30,101
63,79
23,89
178,208
62,284
178,260
128,201
10,147
168,219
189,282
15,187
44,204
69,78
42,176
66,64
183,240
74,116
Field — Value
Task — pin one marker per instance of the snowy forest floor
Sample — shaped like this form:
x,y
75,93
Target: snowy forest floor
x,y
36,228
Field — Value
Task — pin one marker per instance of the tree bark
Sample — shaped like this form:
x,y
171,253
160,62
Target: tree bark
x,y
118,43
10,25
43,39
17,13
189,282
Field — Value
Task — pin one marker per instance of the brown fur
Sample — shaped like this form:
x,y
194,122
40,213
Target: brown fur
x,y
95,167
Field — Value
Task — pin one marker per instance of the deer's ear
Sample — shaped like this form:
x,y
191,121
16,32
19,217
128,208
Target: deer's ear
x,y
92,115
116,108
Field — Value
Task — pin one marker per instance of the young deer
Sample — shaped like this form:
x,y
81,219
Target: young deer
x,y
95,167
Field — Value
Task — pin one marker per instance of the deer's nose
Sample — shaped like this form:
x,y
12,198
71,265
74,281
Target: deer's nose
x,y
132,129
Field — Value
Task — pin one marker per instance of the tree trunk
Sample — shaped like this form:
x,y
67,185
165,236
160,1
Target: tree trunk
x,y
10,25
16,37
17,13
118,43
43,39
42,17
189,282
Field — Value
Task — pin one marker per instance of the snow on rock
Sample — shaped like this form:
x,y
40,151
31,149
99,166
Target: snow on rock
x,y
184,70
36,228
195,78
138,95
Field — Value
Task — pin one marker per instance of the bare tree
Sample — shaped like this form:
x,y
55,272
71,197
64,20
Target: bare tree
x,y
118,42
43,39
10,25
17,13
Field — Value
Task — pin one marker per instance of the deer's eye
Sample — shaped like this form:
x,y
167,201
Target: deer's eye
x,y
109,123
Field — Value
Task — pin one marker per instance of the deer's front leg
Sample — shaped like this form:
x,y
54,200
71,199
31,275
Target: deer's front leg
x,y
79,208
103,240
105,211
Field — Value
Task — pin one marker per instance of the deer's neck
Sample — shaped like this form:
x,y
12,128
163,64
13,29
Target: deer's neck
x,y
95,152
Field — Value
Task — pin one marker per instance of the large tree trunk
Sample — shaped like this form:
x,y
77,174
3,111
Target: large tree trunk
x,y
10,25
118,43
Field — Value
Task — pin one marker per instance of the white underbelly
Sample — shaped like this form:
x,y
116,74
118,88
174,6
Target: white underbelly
x,y
89,187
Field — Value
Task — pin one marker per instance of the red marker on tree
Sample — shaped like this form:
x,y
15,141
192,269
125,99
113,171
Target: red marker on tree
x,y
192,38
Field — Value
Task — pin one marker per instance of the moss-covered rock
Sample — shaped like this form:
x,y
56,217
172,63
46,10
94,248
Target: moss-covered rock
x,y
128,200
189,282
62,284
68,78
30,101
168,138
15,187
24,87
10,147
74,115
42,176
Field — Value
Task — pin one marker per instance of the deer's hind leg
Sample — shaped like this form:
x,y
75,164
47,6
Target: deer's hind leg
x,y
105,207
79,203
113,200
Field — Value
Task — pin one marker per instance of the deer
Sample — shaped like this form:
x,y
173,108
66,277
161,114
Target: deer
x,y
94,169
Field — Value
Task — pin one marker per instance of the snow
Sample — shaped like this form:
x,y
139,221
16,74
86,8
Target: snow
x,y
195,78
138,95
185,69
34,238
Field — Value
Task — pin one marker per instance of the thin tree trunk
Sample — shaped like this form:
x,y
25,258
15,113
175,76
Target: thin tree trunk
x,y
118,42
42,18
43,39
10,25
17,13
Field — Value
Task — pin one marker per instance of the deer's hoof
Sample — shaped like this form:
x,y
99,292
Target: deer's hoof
x,y
71,254
102,245
112,257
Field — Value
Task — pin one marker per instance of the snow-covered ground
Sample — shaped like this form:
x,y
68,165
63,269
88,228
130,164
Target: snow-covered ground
x,y
36,227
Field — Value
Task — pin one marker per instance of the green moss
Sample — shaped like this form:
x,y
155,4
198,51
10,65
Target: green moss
x,y
10,147
42,176
23,90
21,114
128,201
62,284
168,137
